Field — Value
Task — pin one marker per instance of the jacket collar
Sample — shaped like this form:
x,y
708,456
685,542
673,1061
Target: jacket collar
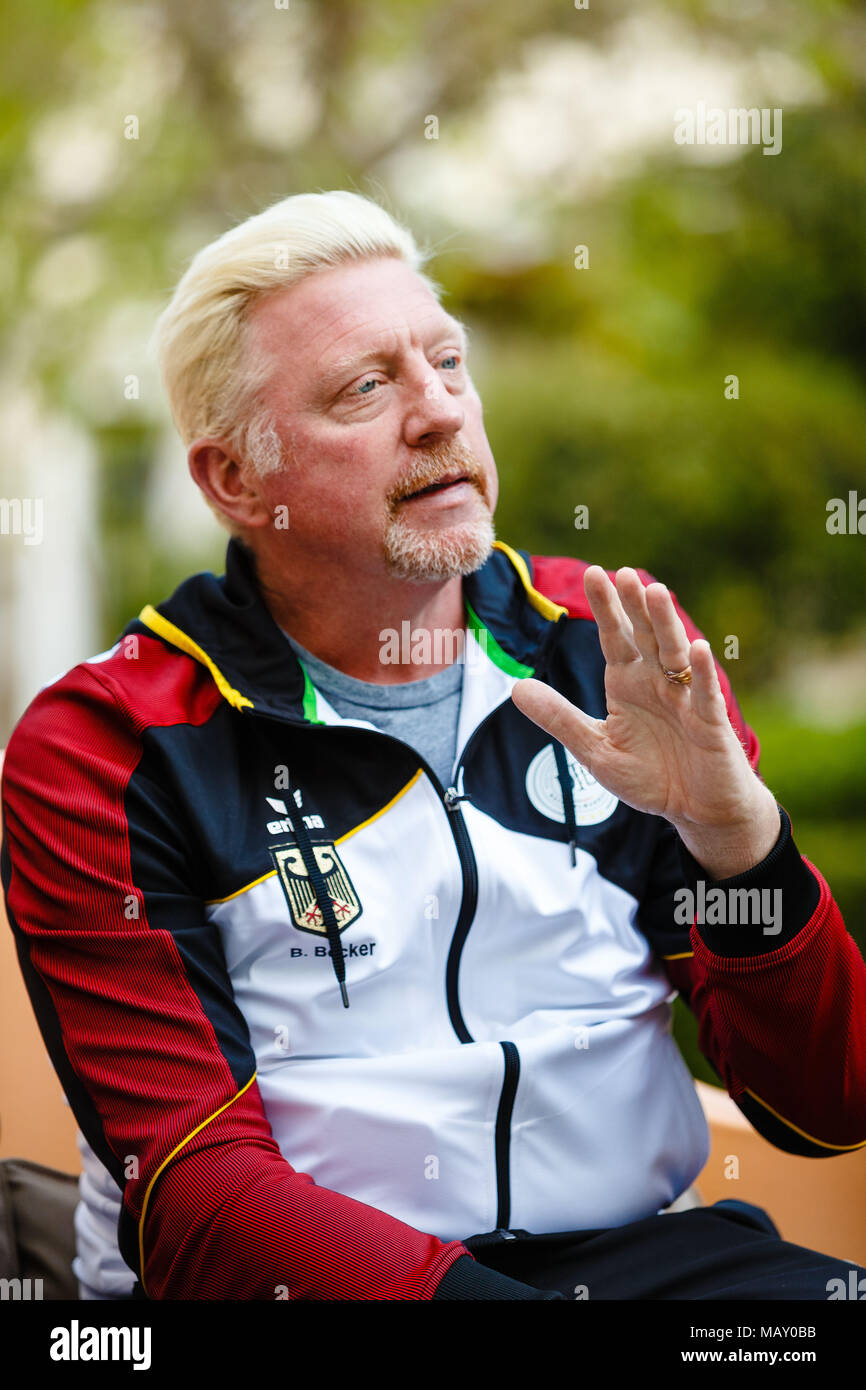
x,y
224,623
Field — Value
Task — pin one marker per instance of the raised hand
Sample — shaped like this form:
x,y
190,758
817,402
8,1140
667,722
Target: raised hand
x,y
665,747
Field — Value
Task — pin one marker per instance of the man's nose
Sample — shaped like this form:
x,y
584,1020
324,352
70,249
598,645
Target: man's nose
x,y
433,411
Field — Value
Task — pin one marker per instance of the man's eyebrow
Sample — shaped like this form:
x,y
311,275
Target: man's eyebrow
x,y
344,367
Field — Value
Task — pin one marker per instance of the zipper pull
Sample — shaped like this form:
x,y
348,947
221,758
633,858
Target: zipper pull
x,y
452,797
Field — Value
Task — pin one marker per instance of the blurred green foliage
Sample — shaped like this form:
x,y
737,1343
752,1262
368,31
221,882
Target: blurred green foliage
x,y
606,387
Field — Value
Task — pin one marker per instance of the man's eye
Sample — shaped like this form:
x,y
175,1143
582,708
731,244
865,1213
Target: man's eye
x,y
362,389
451,358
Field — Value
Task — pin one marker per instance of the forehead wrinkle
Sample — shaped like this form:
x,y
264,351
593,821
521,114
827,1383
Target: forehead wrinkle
x,y
351,360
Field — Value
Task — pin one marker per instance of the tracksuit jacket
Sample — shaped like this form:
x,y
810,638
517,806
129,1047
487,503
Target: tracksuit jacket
x,y
323,1018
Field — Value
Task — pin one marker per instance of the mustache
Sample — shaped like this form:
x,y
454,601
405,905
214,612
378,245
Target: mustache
x,y
428,466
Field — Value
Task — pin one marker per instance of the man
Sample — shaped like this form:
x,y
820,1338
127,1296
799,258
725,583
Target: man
x,y
356,970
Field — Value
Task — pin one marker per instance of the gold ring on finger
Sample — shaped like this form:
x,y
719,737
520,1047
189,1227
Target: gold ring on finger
x,y
683,677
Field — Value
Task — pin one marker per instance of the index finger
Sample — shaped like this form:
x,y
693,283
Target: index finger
x,y
615,631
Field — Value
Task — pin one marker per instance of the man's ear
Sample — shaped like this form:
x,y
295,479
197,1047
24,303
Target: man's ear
x,y
230,487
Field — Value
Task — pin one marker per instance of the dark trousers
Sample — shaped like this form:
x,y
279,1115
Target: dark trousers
x,y
730,1250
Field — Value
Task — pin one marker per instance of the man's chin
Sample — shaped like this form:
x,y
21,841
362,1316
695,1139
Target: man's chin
x,y
426,557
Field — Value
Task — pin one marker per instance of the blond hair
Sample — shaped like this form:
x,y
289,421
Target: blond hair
x,y
211,375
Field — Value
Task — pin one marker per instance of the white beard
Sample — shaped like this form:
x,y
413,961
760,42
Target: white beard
x,y
434,556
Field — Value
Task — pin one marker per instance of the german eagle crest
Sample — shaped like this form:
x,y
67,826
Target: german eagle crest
x,y
295,881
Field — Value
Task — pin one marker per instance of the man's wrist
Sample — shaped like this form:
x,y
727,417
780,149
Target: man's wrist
x,y
725,851
757,911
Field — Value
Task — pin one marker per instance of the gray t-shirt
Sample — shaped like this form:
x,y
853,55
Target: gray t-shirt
x,y
422,713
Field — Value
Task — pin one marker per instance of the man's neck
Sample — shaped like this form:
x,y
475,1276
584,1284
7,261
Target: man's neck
x,y
387,631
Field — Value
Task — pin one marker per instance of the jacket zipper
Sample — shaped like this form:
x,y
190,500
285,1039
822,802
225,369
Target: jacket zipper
x,y
465,917
451,799
503,1135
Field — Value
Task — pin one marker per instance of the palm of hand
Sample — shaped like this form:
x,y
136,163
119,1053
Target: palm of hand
x,y
664,748
658,754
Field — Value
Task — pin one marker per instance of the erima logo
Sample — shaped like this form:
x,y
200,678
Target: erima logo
x,y
284,826
281,806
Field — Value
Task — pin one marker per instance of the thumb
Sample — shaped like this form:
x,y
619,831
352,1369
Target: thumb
x,y
564,721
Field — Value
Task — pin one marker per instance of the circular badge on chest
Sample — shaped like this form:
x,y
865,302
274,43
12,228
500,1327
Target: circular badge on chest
x,y
592,801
